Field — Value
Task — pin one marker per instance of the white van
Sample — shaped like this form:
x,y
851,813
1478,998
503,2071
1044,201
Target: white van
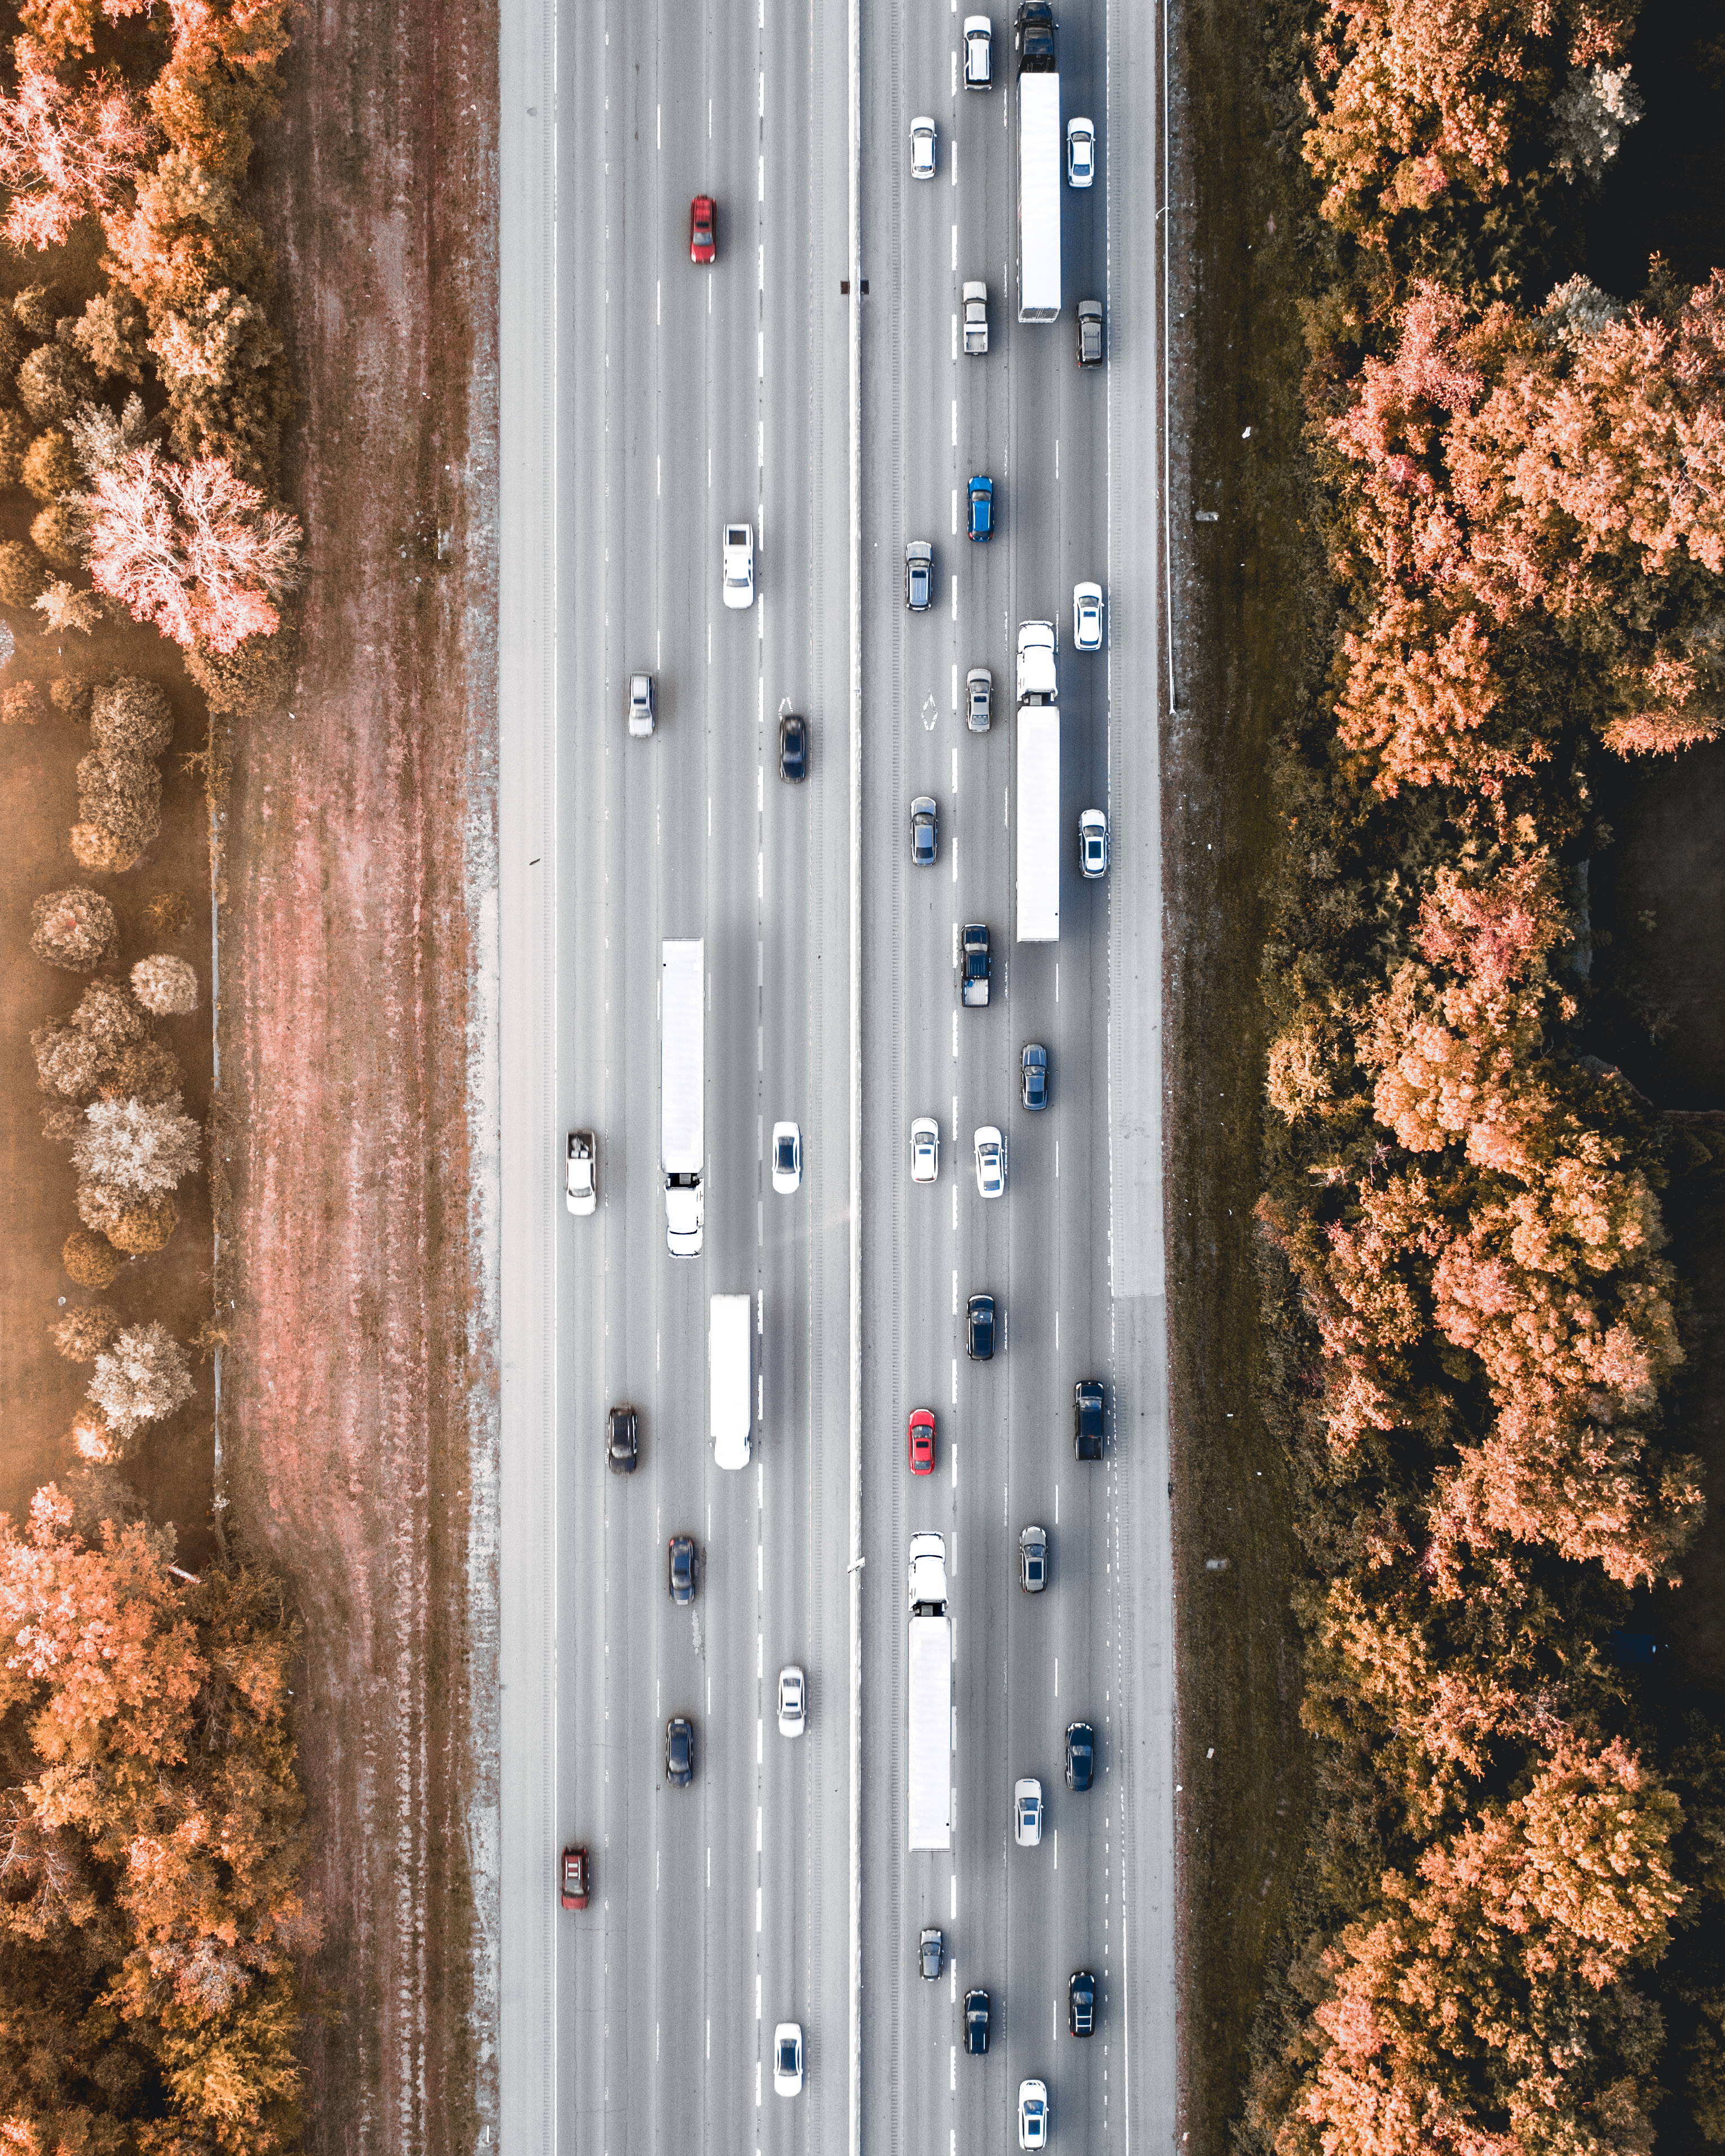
x,y
731,1379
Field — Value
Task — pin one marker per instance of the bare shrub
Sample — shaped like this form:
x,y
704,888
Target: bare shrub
x,y
72,929
111,1015
15,438
136,1148
61,1124
68,1064
91,1260
148,1069
63,606
166,985
146,1225
58,533
52,382
110,333
168,914
22,573
131,716
70,694
143,1376
250,682
102,438
84,1331
23,705
35,310
99,1207
102,851
50,469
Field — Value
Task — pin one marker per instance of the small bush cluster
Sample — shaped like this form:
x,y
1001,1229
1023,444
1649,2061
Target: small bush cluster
x,y
119,783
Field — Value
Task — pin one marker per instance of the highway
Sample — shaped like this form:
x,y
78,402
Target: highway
x,y
644,402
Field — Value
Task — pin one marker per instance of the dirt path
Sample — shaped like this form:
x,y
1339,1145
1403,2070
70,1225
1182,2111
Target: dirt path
x,y
361,1400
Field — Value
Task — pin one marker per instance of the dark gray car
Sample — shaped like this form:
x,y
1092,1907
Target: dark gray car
x,y
1089,332
679,1751
930,1952
979,1328
623,1440
976,2023
1087,1413
1080,1755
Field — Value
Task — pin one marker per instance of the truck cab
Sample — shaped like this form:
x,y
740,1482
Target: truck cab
x,y
974,967
928,1575
1039,648
1034,35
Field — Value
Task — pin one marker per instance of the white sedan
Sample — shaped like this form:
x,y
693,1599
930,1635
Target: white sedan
x,y
922,149
787,1158
1026,1813
990,1162
1087,617
739,565
1080,153
1092,843
793,1702
1032,2114
787,2059
925,1150
580,1174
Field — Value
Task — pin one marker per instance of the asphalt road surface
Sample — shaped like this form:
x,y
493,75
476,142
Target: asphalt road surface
x,y
645,402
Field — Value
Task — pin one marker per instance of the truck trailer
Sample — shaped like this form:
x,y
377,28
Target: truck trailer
x,y
1039,165
930,1665
1039,835
682,1092
731,1379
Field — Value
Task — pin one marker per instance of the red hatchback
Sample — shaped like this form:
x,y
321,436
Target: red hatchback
x,y
922,1441
574,1878
703,229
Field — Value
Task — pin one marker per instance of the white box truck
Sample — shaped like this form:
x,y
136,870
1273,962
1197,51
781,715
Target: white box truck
x,y
731,1379
682,1092
1039,196
930,1663
1039,811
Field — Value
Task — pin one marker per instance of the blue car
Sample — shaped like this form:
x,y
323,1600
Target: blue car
x,y
982,507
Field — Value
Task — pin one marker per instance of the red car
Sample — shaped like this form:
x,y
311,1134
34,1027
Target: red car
x,y
703,229
575,1880
923,1440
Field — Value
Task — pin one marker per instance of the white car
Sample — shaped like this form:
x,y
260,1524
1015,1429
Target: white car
x,y
1092,843
1080,153
1087,617
1032,2114
922,149
990,1162
581,1173
979,699
640,705
793,1702
978,52
787,1158
787,2059
1027,1814
739,565
925,1150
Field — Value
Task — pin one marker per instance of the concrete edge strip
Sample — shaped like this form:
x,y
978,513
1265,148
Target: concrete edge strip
x,y
854,251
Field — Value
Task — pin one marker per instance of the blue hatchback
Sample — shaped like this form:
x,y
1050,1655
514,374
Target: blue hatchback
x,y
982,507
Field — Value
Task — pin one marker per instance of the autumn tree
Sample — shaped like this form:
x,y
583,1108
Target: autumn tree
x,y
64,153
73,929
137,1148
165,985
142,1376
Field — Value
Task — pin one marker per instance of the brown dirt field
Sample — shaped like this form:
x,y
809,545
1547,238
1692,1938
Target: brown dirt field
x,y
1244,638
361,1394
40,1394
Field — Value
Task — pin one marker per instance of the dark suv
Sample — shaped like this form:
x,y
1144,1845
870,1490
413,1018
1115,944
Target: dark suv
x,y
976,2023
1080,1755
1082,2002
623,1441
1087,1420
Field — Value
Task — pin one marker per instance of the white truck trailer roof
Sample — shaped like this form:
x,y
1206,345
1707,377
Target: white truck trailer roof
x,y
730,1336
1038,197
1039,834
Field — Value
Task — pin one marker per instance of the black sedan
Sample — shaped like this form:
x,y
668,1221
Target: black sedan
x,y
623,1441
1080,1755
1087,1420
679,1751
793,747
682,1567
976,2023
979,1328
1033,1078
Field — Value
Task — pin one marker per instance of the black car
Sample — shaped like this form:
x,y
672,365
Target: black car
x,y
1033,34
623,1441
979,1328
1080,1755
930,1952
1089,332
1033,1078
976,2023
1087,1420
1082,2002
682,1567
925,831
793,747
679,1751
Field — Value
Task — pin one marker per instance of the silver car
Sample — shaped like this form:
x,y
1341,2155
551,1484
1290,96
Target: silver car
x,y
640,705
739,565
793,1702
1033,1560
919,575
925,1150
922,148
979,699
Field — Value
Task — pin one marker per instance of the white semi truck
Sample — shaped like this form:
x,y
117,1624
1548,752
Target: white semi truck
x,y
682,1092
1039,165
930,1664
731,1379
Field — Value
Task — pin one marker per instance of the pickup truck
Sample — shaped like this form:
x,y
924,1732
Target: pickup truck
x,y
974,967
976,321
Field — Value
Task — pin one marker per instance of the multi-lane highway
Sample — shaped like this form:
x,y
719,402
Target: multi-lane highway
x,y
646,401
